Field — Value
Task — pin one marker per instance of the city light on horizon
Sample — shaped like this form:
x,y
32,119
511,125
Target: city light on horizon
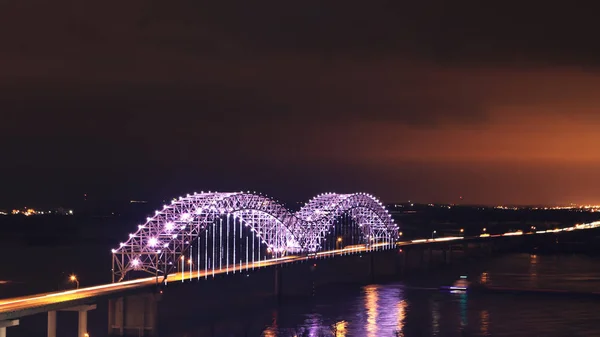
x,y
31,211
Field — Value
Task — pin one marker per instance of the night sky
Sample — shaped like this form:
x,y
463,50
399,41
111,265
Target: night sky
x,y
424,100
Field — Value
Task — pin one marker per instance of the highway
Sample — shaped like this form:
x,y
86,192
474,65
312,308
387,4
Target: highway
x,y
40,301
67,297
32,304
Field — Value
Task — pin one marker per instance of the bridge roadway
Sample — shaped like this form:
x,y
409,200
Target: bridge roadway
x,y
14,308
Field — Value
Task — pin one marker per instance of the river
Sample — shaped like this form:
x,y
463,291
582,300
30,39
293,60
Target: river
x,y
415,308
409,308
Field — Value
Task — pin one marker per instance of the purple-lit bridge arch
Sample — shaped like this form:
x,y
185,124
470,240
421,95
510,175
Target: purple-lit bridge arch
x,y
234,231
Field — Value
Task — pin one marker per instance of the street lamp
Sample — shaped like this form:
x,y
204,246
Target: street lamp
x,y
73,278
434,232
339,242
462,230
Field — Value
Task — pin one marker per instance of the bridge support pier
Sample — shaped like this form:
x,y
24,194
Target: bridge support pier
x,y
404,253
7,324
278,279
133,315
82,310
82,330
51,323
430,259
372,267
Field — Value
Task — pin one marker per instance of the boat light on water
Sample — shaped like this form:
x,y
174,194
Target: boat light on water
x,y
455,290
459,285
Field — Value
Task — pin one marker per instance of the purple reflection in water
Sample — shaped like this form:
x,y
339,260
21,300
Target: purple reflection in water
x,y
380,310
386,310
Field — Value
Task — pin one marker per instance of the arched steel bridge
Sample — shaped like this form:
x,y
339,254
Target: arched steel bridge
x,y
236,231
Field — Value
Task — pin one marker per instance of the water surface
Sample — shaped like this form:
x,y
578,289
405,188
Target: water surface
x,y
411,307
415,308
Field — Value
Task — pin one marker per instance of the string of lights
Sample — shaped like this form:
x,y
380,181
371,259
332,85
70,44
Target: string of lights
x,y
252,223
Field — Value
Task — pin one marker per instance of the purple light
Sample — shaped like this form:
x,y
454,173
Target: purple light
x,y
267,219
152,242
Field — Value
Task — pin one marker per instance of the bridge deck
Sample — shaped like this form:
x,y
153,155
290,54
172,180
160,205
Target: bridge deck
x,y
12,308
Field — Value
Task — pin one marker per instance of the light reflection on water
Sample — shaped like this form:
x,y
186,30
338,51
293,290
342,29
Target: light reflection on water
x,y
397,311
484,318
380,311
402,310
340,329
401,307
435,318
371,306
533,272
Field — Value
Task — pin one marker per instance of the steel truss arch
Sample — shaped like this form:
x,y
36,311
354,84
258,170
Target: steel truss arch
x,y
320,213
166,236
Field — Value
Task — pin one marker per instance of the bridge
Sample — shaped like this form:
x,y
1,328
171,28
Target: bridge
x,y
204,235
235,231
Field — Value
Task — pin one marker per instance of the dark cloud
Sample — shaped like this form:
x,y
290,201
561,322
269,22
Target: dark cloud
x,y
272,95
442,31
280,61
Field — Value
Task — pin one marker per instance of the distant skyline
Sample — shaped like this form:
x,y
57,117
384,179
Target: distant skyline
x,y
424,101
